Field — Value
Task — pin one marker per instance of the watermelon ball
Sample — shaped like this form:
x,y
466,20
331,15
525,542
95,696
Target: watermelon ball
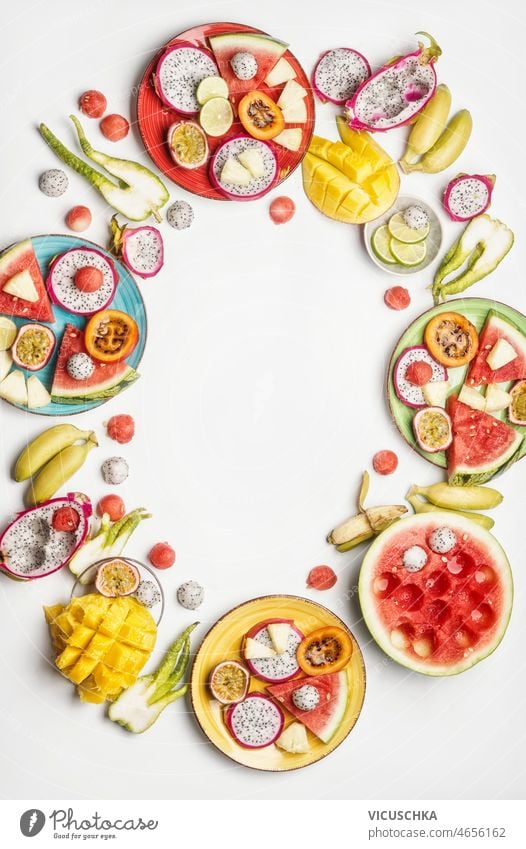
x,y
162,555
409,597
419,373
88,279
282,209
65,519
321,578
78,219
385,462
92,103
115,127
397,298
121,428
113,505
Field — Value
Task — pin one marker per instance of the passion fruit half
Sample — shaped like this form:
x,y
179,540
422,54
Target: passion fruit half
x,y
229,682
117,578
432,429
33,346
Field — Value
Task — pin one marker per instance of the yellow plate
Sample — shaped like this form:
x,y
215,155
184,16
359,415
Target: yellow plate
x,y
223,642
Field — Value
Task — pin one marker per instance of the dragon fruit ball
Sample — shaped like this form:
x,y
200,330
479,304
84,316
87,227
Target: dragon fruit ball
x,y
53,183
416,217
190,595
414,558
147,594
80,366
244,65
306,697
180,215
442,540
115,470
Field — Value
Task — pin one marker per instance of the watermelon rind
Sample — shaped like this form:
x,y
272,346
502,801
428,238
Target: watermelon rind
x,y
368,603
339,711
464,476
100,392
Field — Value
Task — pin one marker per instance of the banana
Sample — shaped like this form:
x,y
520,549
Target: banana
x,y
448,146
367,523
38,452
58,470
428,127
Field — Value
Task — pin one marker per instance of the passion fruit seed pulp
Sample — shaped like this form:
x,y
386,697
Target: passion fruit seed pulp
x,y
188,144
32,347
432,429
117,578
229,682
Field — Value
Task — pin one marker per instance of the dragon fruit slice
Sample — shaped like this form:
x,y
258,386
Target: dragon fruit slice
x,y
339,73
257,186
281,667
63,290
468,195
178,73
408,392
31,548
255,722
141,248
397,92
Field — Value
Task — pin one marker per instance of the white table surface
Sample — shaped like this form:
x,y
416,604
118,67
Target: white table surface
x,y
261,401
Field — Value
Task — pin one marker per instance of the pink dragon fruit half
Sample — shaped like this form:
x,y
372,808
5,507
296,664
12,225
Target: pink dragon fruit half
x,y
468,195
397,92
140,248
31,548
338,74
255,722
62,287
179,71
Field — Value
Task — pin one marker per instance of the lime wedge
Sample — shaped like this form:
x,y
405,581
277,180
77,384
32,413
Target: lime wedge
x,y
380,244
211,87
399,230
216,116
8,331
408,255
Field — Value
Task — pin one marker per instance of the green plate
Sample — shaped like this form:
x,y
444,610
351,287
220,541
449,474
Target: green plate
x,y
474,309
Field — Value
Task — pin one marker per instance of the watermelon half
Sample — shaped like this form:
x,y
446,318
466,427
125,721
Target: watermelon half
x,y
266,50
449,615
482,445
106,381
21,257
496,327
325,719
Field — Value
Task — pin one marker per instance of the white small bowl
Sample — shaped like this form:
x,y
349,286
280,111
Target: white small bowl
x,y
433,240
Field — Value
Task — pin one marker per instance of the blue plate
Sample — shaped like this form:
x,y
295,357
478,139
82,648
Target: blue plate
x,y
127,298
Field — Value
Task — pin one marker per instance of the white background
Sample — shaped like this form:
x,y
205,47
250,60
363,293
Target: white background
x,y
261,401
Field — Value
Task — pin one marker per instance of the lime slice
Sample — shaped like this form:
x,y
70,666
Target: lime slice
x,y
399,230
408,255
216,116
211,87
7,333
380,244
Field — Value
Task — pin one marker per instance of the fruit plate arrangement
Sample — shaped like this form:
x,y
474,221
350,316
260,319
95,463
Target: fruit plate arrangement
x,y
399,249
227,643
156,116
51,371
466,345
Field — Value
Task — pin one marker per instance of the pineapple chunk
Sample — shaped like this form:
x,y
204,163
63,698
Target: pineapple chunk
x,y
37,394
435,392
279,633
496,398
21,285
13,388
255,650
470,396
280,73
294,739
501,354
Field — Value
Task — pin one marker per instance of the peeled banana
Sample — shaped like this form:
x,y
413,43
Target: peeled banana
x,y
428,126
58,470
448,146
367,523
46,445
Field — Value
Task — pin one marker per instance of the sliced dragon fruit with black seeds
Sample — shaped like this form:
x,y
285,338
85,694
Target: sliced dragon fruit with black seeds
x,y
31,548
178,73
408,392
468,195
281,667
255,722
339,73
61,285
141,248
257,186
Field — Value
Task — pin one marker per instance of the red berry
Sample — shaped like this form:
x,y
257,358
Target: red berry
x,y
89,279
113,505
115,127
92,103
78,218
419,373
162,555
321,578
121,428
385,462
397,298
282,209
65,519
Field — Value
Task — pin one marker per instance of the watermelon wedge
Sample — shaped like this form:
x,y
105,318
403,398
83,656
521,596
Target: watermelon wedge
x,y
496,328
17,260
481,445
325,719
106,381
265,49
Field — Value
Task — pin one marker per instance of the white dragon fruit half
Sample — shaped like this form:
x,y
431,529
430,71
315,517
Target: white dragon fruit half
x,y
63,290
178,73
255,722
257,186
339,73
31,548
408,392
468,195
397,92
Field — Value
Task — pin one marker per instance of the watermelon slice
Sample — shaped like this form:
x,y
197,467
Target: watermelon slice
x,y
106,381
266,50
481,445
20,258
496,328
324,719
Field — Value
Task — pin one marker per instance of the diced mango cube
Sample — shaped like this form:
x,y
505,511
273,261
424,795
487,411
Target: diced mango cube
x,y
83,667
68,657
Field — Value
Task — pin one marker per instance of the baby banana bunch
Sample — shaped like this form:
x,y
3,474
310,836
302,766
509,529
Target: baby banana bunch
x,y
51,459
367,523
432,145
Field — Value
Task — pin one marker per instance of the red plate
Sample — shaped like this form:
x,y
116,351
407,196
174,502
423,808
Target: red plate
x,y
154,118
